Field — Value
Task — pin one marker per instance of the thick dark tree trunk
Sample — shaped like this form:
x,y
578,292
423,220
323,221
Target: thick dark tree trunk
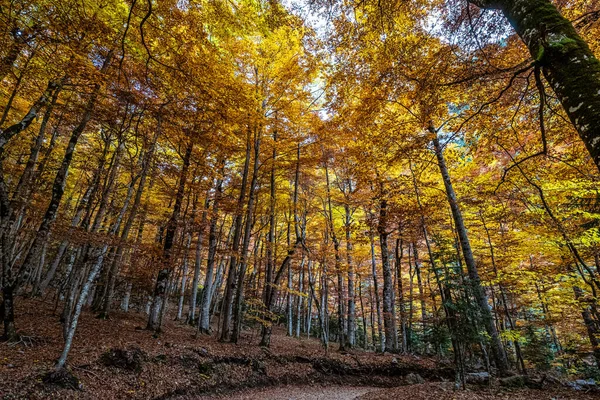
x,y
7,312
566,60
19,197
15,129
590,325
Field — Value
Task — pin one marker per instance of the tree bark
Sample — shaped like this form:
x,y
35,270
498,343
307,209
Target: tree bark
x,y
388,285
398,256
351,320
204,317
340,280
238,314
566,61
60,181
475,281
233,260
382,341
198,264
162,281
268,288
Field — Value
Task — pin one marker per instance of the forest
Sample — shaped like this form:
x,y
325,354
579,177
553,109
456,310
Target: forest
x,y
213,197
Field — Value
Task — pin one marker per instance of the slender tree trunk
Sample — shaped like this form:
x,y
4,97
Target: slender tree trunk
x,y
311,285
126,297
234,258
118,257
78,307
238,314
184,275
365,324
41,102
290,302
299,297
58,187
398,256
324,302
372,304
19,195
12,282
421,293
475,281
351,295
382,340
270,266
503,296
198,264
204,317
388,285
162,281
338,268
590,325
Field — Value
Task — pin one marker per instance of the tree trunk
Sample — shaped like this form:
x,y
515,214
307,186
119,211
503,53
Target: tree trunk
x,y
566,60
421,293
398,256
351,296
311,286
15,129
60,181
290,302
340,280
126,298
7,312
363,315
503,296
78,307
238,314
19,199
268,289
184,274
198,264
388,285
233,260
382,341
475,281
204,317
300,298
146,162
162,281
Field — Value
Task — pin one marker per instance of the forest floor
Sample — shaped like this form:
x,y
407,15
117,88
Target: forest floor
x,y
118,359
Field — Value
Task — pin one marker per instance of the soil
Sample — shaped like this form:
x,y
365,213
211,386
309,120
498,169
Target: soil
x,y
118,359
299,393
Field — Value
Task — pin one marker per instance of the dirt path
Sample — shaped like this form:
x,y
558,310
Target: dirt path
x,y
300,393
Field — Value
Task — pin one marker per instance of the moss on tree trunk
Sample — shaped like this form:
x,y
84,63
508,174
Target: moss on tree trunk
x,y
566,60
